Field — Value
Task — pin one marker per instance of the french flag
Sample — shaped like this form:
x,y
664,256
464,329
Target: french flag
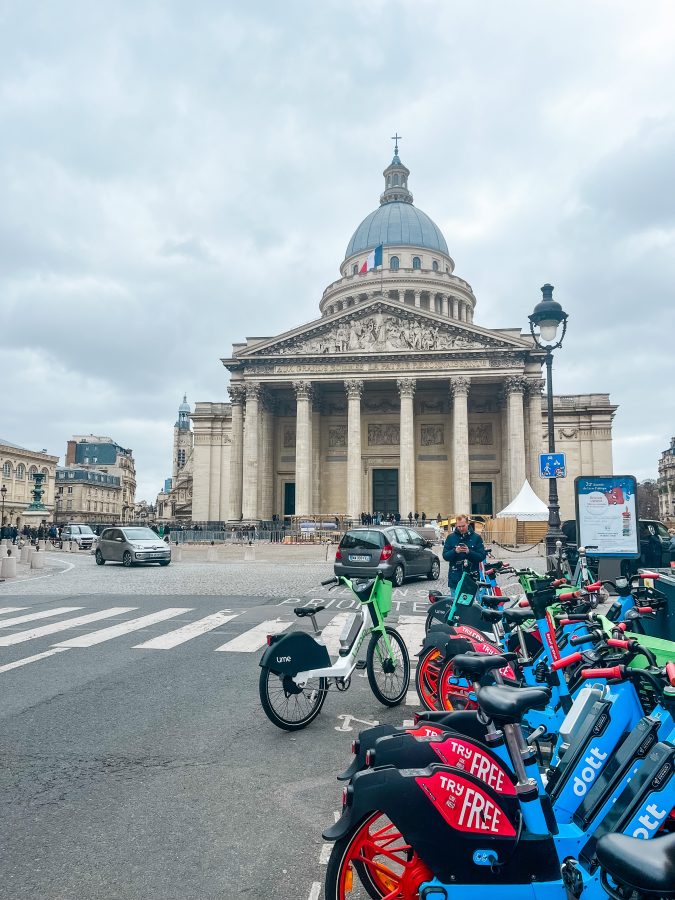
x,y
373,260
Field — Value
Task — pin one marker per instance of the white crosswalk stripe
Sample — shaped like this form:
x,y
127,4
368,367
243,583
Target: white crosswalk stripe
x,y
107,634
6,609
331,633
187,632
411,629
17,664
21,636
43,614
255,638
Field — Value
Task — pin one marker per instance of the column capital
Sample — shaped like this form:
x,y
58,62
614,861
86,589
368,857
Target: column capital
x,y
459,385
237,394
515,384
534,386
354,388
303,390
406,387
253,390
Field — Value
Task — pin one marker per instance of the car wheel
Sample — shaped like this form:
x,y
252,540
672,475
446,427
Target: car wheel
x,y
164,562
398,576
126,559
99,558
435,571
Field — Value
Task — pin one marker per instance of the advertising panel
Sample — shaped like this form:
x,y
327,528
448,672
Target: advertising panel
x,y
607,516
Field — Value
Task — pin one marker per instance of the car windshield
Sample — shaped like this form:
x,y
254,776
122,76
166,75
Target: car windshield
x,y
372,540
140,534
82,529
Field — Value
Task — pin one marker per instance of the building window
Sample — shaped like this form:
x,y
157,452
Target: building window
x,y
393,263
70,490
20,471
32,472
69,504
395,180
434,266
181,458
417,263
7,470
355,269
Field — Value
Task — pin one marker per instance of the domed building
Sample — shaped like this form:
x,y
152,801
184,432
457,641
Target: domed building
x,y
174,503
392,400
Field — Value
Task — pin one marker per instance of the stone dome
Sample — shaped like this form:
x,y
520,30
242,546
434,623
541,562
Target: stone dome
x,y
397,223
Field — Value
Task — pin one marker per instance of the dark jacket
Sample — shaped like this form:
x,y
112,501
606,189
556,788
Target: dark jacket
x,y
456,560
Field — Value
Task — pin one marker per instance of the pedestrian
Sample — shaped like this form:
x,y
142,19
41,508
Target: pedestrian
x,y
462,546
167,532
410,518
417,516
424,519
438,518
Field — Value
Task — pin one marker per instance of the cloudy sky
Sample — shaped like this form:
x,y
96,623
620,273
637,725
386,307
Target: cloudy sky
x,y
176,176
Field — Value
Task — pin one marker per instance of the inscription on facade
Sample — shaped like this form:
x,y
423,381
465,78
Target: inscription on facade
x,y
383,435
288,436
433,435
481,434
337,436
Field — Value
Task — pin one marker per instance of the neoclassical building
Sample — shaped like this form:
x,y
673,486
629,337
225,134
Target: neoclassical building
x,y
394,399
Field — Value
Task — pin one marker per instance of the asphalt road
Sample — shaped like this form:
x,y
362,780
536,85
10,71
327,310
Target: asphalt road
x,y
152,772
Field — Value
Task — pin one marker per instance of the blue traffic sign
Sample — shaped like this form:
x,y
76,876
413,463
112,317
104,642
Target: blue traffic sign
x,y
552,465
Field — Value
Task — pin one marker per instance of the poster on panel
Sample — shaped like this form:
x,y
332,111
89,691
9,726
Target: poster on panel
x,y
607,516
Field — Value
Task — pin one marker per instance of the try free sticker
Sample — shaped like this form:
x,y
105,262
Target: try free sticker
x,y
465,806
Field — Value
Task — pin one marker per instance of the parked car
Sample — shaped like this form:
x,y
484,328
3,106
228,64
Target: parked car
x,y
131,544
79,534
394,551
653,535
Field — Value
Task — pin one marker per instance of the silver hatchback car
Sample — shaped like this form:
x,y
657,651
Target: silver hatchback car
x,y
131,544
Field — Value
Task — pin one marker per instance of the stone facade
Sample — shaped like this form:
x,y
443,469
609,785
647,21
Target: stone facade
x,y
87,495
18,465
394,397
175,505
106,455
666,483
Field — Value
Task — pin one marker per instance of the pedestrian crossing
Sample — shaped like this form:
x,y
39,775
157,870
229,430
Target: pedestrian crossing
x,y
251,639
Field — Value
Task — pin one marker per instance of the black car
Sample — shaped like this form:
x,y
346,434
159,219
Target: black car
x,y
394,551
654,547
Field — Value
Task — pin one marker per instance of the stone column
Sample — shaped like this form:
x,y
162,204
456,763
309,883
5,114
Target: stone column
x,y
354,389
417,299
237,394
455,308
406,499
515,386
461,485
535,431
303,444
444,305
251,451
266,468
504,440
316,455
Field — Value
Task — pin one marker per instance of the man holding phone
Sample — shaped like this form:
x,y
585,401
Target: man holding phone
x,y
462,545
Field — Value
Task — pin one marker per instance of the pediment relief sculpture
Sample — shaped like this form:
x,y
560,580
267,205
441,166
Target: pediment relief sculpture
x,y
382,331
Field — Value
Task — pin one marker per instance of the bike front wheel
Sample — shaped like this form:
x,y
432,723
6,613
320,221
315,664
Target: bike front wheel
x,y
287,705
388,674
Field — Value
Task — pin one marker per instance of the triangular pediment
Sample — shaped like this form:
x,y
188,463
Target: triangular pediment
x,y
382,326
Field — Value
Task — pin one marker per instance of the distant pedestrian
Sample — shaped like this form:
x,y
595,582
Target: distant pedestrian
x,y
417,516
424,519
410,518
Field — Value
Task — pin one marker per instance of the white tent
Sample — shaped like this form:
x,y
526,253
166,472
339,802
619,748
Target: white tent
x,y
526,507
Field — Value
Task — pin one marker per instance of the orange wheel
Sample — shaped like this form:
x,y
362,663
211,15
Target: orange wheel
x,y
451,696
375,862
426,678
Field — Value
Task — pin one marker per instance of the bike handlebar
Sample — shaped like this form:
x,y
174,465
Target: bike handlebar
x,y
619,644
330,581
593,587
653,575
566,661
614,673
670,673
570,595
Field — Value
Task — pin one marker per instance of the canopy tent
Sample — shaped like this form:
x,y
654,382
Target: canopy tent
x,y
526,507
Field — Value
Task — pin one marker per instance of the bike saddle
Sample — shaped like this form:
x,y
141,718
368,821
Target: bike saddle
x,y
507,705
302,611
475,667
493,600
643,866
517,616
491,615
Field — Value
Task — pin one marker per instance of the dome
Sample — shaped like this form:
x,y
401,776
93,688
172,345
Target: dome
x,y
185,406
395,224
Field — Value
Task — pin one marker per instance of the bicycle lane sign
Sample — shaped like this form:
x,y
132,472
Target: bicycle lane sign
x,y
552,465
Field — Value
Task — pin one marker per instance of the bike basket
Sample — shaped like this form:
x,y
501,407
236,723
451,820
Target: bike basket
x,y
382,597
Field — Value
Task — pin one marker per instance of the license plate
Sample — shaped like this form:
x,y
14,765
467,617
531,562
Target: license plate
x,y
155,555
359,559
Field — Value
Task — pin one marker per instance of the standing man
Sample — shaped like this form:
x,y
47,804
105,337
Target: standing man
x,y
462,545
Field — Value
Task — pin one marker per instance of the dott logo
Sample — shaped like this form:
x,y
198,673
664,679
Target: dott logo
x,y
594,762
649,821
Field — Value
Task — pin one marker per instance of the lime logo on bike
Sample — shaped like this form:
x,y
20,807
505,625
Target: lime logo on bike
x,y
465,806
283,659
463,755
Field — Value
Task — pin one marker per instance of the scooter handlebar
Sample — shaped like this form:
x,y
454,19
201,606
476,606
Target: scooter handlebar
x,y
615,673
570,595
566,661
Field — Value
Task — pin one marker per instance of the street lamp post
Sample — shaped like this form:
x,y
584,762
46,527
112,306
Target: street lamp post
x,y
58,499
3,492
547,317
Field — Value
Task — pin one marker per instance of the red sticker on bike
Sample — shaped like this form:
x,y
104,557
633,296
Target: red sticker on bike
x,y
470,632
550,637
462,754
465,806
426,731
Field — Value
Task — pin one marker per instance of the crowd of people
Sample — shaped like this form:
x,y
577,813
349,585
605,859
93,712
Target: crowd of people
x,y
379,518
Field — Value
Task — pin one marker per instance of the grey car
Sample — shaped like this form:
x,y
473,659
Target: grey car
x,y
132,544
394,551
81,535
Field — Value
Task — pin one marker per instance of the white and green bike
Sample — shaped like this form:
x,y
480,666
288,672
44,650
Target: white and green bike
x,y
296,670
